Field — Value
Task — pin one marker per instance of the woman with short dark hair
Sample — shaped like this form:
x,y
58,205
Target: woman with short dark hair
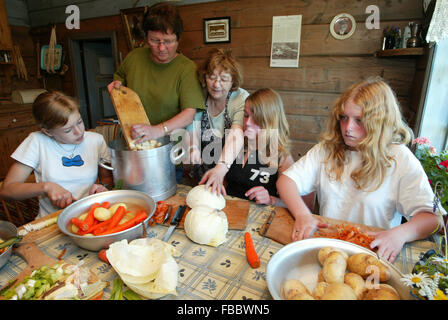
x,y
165,80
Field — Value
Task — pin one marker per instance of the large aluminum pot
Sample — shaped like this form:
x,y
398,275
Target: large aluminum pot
x,y
150,171
96,243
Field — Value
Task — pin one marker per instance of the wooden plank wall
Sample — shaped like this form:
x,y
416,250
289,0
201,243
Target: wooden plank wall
x,y
326,67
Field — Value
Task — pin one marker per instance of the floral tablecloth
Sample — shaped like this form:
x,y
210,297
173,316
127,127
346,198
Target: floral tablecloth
x,y
205,272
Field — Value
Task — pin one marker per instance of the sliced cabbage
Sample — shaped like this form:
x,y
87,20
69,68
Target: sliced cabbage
x,y
205,225
66,292
146,266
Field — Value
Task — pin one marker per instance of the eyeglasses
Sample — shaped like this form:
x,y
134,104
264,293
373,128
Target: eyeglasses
x,y
224,79
157,42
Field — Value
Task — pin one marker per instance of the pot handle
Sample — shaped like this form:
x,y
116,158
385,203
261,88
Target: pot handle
x,y
102,163
176,159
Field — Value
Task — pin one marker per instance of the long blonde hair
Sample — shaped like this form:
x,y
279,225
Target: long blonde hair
x,y
267,108
384,125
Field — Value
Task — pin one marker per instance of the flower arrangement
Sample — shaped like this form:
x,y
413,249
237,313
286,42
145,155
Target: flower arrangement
x,y
392,37
391,31
435,166
429,278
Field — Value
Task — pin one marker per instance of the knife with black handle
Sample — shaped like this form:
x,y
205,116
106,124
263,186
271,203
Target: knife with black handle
x,y
174,222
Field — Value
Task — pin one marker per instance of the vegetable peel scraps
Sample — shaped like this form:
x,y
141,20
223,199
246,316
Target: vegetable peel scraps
x,y
347,233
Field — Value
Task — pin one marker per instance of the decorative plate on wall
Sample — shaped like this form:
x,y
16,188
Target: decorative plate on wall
x,y
342,26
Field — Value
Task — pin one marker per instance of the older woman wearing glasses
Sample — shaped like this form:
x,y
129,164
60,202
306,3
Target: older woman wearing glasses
x,y
165,80
218,131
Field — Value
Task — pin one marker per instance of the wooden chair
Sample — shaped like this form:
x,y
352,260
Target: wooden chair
x,y
109,131
24,211
19,212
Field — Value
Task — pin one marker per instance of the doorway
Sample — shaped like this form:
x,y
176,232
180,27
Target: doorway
x,y
93,63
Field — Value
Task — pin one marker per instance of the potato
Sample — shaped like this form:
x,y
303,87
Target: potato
x,y
128,216
334,267
385,292
114,207
357,283
339,291
102,214
295,290
319,290
81,217
320,276
325,251
365,264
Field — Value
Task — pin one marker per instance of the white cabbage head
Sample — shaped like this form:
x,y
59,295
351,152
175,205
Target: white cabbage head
x,y
200,196
206,225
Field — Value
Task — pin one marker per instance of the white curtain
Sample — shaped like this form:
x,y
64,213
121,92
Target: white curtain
x,y
438,28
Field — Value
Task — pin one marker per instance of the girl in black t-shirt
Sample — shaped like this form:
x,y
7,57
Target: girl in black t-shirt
x,y
266,154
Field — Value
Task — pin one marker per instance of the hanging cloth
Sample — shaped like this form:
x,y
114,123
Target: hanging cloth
x,y
51,51
51,54
438,28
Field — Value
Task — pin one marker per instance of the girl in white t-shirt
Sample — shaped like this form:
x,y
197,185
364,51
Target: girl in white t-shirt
x,y
363,172
63,156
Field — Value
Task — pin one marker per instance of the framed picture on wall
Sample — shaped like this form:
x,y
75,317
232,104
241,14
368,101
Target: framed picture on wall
x,y
217,30
132,20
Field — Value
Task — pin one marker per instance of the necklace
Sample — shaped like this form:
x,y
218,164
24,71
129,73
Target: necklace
x,y
70,160
70,153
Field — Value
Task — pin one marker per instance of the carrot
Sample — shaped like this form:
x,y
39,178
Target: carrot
x,y
99,296
139,217
116,218
160,216
62,254
251,254
350,234
82,225
105,204
100,227
90,217
102,255
90,229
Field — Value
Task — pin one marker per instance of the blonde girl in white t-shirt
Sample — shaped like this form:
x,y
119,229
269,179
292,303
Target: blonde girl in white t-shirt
x,y
363,172
62,155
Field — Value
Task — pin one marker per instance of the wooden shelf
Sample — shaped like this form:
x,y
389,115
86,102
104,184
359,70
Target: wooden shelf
x,y
400,52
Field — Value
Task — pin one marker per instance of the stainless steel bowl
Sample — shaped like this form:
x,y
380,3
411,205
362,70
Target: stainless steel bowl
x,y
7,231
298,260
96,243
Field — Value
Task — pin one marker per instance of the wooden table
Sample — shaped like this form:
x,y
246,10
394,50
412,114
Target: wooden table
x,y
205,273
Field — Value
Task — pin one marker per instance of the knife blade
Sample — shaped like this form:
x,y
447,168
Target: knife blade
x,y
168,214
174,222
268,223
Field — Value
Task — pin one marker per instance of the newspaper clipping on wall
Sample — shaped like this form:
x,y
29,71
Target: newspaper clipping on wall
x,y
285,47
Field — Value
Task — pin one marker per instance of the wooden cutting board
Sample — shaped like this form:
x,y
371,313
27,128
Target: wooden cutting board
x,y
35,258
236,211
280,223
42,234
129,109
